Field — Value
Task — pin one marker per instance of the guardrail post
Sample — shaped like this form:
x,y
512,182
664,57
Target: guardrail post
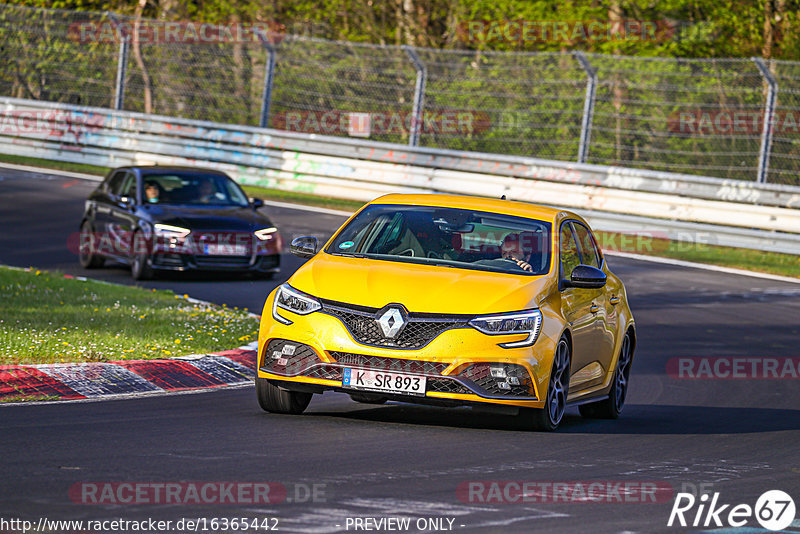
x,y
419,95
769,115
588,106
269,74
122,64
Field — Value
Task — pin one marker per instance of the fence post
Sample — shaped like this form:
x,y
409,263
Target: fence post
x,y
769,114
419,95
588,106
122,63
269,73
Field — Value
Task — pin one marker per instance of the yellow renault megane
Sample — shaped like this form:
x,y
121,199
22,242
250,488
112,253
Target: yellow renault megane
x,y
451,301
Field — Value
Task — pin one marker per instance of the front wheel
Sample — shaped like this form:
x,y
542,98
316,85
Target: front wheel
x,y
273,399
548,418
611,407
140,269
87,248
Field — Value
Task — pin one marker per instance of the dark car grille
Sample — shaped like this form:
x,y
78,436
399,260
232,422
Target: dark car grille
x,y
389,364
277,361
480,374
421,328
222,261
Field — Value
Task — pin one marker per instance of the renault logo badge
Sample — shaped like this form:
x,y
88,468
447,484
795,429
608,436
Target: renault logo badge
x,y
391,319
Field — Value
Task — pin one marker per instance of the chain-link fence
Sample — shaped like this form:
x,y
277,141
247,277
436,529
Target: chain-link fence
x,y
695,116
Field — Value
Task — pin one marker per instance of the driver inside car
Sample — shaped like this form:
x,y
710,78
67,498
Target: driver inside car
x,y
514,249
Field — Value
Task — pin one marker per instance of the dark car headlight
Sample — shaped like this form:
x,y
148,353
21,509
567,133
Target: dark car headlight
x,y
295,301
170,231
524,322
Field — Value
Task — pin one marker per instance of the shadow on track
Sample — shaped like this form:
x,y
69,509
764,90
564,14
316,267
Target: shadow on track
x,y
635,419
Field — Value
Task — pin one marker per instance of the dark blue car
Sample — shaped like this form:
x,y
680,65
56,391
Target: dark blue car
x,y
176,219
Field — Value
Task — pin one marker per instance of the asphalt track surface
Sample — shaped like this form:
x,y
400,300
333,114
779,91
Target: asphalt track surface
x,y
738,437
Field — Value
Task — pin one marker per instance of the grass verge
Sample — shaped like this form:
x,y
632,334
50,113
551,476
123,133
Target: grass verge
x,y
51,164
47,318
752,260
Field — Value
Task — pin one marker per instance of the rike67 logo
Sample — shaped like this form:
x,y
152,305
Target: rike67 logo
x,y
774,510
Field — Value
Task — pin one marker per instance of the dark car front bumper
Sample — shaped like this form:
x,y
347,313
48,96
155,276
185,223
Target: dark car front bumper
x,y
262,263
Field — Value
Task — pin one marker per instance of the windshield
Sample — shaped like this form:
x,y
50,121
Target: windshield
x,y
449,237
192,188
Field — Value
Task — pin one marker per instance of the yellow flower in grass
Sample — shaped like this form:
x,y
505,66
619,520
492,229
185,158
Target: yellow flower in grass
x,y
177,341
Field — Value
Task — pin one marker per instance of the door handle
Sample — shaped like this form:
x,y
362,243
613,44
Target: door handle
x,y
614,300
594,308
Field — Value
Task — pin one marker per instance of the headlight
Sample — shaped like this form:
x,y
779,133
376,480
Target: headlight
x,y
265,233
526,322
167,230
293,300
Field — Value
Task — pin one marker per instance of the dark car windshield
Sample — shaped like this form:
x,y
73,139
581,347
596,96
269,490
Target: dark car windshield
x,y
193,188
449,237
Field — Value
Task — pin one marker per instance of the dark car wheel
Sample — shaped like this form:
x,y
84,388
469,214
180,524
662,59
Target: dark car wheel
x,y
87,247
273,399
140,269
611,407
548,418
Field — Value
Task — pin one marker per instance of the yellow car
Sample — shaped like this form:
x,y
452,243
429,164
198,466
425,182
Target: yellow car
x,y
451,301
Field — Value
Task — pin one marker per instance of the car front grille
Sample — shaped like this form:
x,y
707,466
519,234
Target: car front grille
x,y
327,372
421,328
222,261
288,358
480,374
389,364
447,385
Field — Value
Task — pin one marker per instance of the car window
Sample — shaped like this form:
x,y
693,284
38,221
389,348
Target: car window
x,y
196,188
114,184
570,257
449,237
589,253
128,188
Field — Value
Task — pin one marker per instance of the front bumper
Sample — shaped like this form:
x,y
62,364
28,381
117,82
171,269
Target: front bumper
x,y
266,263
457,364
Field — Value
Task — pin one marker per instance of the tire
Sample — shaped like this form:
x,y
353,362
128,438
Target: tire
x,y
273,399
611,407
140,270
86,247
548,418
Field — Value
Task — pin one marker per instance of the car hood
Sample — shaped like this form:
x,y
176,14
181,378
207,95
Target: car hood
x,y
420,288
226,218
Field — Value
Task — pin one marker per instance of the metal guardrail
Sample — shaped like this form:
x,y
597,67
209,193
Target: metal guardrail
x,y
357,169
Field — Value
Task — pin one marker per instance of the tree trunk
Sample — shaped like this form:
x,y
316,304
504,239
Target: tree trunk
x,y
137,54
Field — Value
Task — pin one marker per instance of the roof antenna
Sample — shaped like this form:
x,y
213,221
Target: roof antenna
x,y
503,197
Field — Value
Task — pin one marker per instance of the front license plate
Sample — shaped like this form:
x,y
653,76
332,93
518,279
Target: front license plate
x,y
381,381
225,249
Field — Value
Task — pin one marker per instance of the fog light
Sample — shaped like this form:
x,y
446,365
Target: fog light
x,y
513,380
498,372
503,385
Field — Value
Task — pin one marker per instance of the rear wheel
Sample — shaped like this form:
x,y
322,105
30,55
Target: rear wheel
x,y
548,418
87,248
273,399
140,270
611,407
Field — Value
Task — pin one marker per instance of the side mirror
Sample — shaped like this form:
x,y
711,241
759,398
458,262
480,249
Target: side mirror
x,y
256,203
304,247
125,202
586,277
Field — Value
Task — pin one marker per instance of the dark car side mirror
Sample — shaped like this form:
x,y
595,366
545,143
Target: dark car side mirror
x,y
586,277
256,203
304,247
125,202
